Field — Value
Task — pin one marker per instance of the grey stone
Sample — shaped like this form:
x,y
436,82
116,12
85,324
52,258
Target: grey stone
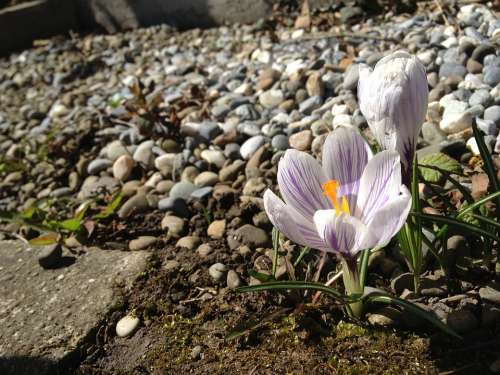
x,y
431,133
176,205
53,321
271,98
142,242
252,236
202,193
250,146
209,130
137,203
182,189
491,75
351,77
280,142
98,165
487,126
481,97
232,151
492,114
452,69
310,104
217,271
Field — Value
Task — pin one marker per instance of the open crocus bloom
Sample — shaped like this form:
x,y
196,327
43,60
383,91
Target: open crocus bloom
x,y
352,202
393,98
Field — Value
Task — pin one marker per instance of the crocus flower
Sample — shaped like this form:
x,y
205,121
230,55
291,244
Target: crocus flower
x,y
353,201
393,98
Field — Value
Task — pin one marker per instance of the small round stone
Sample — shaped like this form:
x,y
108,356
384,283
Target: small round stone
x,y
217,271
233,280
122,167
127,325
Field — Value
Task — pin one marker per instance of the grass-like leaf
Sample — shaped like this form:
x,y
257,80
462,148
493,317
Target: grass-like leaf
x,y
457,223
387,299
295,285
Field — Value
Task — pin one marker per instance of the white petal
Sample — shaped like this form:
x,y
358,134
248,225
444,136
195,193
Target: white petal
x,y
301,179
345,156
390,218
380,183
291,223
343,234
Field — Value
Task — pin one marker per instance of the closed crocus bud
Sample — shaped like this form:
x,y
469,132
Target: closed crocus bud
x,y
393,98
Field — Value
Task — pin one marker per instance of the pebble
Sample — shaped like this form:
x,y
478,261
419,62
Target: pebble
x,y
492,114
250,146
98,165
177,206
206,179
188,242
302,140
127,325
142,242
351,77
122,167
144,154
490,294
280,142
174,225
216,229
182,189
136,204
252,236
214,157
217,271
271,98
455,117
233,280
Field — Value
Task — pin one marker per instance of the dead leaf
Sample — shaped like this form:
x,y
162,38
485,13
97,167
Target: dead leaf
x,y
480,183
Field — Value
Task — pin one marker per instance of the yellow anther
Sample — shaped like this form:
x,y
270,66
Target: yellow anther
x,y
330,190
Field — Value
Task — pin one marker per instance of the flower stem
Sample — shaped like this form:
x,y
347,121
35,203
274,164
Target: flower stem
x,y
352,286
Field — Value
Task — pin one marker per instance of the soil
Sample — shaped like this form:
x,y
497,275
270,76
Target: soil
x,y
260,333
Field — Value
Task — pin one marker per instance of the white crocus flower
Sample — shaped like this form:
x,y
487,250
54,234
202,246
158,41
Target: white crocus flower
x,y
393,98
354,201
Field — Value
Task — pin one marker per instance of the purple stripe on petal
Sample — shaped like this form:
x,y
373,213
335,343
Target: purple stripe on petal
x,y
345,156
380,181
291,223
342,233
300,179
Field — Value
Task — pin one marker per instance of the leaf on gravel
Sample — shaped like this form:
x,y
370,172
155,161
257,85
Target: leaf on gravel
x,y
110,208
441,161
45,239
480,183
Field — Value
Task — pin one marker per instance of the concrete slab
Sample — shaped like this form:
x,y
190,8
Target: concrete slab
x,y
45,315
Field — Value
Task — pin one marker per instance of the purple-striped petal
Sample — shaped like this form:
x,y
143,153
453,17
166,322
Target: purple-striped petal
x,y
291,223
380,181
344,234
393,98
300,179
345,156
390,218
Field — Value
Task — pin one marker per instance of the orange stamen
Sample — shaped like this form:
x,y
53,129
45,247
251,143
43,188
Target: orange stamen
x,y
330,190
